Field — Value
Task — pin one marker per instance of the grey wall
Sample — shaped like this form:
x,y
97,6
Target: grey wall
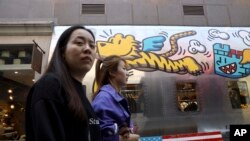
x,y
26,9
129,12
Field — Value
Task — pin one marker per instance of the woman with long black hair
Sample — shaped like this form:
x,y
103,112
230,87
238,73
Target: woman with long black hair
x,y
57,108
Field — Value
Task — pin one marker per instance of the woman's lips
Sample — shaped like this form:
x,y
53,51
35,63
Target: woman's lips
x,y
87,59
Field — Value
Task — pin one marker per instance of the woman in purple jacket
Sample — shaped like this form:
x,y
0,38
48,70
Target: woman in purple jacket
x,y
109,105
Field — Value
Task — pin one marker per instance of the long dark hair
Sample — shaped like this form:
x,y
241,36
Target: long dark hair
x,y
103,69
59,67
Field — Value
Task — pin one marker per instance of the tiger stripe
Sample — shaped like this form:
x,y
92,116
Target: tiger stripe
x,y
155,62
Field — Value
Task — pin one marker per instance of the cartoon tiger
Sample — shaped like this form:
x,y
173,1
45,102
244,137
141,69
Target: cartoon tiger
x,y
129,48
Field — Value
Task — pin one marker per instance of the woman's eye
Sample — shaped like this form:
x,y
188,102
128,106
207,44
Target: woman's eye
x,y
92,45
79,43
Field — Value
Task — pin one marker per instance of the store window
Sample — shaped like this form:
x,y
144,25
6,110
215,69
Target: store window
x,y
134,95
16,78
238,94
15,54
187,96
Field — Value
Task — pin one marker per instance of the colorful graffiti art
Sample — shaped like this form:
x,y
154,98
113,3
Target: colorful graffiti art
x,y
140,56
231,63
224,51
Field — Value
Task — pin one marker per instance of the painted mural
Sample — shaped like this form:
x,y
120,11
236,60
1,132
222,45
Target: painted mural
x,y
140,55
224,51
230,59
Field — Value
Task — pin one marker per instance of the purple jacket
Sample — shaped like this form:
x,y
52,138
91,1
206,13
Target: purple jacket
x,y
112,110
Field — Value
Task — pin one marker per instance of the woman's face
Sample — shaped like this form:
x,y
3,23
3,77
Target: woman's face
x,y
80,52
121,76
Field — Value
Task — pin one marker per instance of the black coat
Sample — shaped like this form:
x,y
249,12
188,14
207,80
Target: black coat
x,y
48,117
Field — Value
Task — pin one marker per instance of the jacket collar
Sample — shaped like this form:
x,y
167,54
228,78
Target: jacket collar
x,y
111,91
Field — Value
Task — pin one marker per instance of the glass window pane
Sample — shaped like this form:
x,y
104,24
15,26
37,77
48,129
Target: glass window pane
x,y
238,94
134,95
187,96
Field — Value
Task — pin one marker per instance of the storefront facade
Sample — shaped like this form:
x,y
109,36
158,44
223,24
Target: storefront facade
x,y
18,56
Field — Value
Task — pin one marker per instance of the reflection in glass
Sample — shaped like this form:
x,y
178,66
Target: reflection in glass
x,y
238,94
186,96
134,95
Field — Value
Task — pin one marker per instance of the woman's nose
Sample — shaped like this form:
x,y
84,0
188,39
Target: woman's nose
x,y
87,49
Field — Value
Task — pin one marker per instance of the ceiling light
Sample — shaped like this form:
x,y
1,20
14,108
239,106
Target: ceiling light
x,y
10,91
12,106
